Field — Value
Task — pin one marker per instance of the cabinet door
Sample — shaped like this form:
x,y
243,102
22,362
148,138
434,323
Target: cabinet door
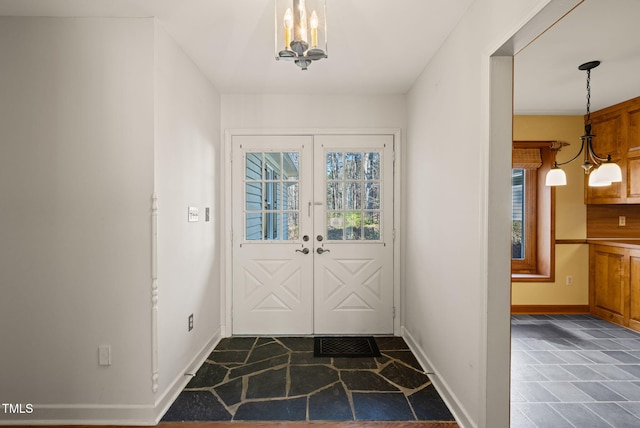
x,y
608,130
633,156
609,297
634,289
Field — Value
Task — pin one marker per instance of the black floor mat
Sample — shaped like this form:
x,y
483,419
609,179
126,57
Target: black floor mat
x,y
345,347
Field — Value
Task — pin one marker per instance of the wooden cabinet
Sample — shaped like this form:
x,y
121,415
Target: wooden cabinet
x,y
614,283
617,133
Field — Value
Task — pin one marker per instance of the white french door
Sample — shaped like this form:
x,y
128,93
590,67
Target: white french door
x,y
312,234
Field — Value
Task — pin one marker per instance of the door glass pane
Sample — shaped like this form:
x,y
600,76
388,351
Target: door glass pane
x,y
272,198
290,195
291,166
372,196
335,226
334,195
354,196
517,213
372,226
372,166
273,166
291,227
353,230
335,166
253,226
253,196
254,166
353,166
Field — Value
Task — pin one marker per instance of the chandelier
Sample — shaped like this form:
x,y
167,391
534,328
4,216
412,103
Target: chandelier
x,y
300,31
602,171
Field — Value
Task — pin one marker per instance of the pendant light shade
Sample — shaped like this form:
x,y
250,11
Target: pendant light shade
x,y
610,171
556,177
596,179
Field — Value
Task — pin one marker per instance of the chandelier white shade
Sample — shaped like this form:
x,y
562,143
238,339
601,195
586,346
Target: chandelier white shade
x,y
300,31
556,177
602,171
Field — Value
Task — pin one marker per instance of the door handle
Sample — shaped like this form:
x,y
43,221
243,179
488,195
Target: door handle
x,y
303,251
322,250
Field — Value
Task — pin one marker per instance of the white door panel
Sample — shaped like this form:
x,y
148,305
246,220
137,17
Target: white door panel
x,y
272,277
312,234
353,279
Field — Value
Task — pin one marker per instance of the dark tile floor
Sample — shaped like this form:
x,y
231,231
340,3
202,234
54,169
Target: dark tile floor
x,y
573,371
279,379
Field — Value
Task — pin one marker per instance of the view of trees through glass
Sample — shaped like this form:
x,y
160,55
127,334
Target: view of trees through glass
x,y
353,196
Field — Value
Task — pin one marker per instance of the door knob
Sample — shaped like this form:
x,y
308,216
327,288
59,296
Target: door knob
x,y
303,251
322,250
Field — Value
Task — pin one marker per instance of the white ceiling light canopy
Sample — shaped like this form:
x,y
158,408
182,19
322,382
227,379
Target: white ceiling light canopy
x,y
301,31
603,170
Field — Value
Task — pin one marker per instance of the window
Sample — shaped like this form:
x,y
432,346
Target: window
x,y
532,214
271,196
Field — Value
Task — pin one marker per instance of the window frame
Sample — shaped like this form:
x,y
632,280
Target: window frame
x,y
539,262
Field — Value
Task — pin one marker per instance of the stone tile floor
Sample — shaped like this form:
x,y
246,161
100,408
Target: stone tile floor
x,y
573,371
279,379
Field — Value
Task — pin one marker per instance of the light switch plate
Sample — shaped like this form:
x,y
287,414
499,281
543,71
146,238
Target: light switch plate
x,y
193,214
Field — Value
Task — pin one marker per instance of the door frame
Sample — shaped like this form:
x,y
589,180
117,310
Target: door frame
x,y
226,228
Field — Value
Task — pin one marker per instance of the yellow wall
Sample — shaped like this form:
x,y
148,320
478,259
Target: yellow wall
x,y
571,259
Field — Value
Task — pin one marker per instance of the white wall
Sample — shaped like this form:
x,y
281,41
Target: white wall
x,y
451,260
76,178
313,111
187,160
97,115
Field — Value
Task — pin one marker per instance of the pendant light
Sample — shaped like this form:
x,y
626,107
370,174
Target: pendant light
x,y
602,171
300,31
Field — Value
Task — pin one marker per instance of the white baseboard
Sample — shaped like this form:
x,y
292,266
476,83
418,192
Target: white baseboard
x,y
441,386
113,414
83,414
166,400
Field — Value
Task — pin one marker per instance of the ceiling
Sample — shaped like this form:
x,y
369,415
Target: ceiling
x,y
546,75
385,48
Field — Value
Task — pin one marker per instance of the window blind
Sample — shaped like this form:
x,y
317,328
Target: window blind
x,y
526,158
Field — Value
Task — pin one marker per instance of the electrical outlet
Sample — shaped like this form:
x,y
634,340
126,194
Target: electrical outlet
x,y
622,220
569,280
190,322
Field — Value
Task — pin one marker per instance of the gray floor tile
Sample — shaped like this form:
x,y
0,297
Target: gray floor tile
x,y
579,415
583,372
628,390
519,420
632,407
573,357
555,372
567,392
633,369
622,357
527,374
598,391
611,372
614,414
546,357
522,358
599,357
543,416
533,392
